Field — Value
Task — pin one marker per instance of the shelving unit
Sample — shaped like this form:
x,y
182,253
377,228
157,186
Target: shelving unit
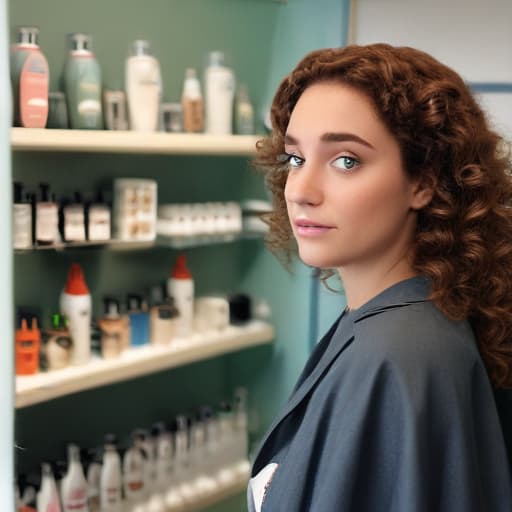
x,y
181,242
135,362
96,141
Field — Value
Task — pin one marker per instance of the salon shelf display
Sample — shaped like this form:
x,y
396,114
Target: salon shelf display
x,y
103,141
176,242
138,361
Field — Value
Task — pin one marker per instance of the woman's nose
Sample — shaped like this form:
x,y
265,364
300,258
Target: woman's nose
x,y
304,186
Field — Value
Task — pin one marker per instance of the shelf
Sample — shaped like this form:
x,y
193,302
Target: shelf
x,y
224,492
104,141
138,361
177,242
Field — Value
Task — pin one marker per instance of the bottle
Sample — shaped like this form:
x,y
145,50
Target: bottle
x,y
47,218
48,497
59,346
30,78
192,102
240,438
74,484
164,456
163,316
82,82
180,286
143,84
27,342
134,477
21,219
111,479
98,220
73,220
112,329
202,433
75,303
226,472
219,93
139,320
94,480
244,113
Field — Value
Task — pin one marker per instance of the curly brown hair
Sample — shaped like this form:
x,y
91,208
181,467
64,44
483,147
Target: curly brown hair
x,y
463,239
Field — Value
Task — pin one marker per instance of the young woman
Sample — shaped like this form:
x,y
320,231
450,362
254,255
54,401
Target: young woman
x,y
383,169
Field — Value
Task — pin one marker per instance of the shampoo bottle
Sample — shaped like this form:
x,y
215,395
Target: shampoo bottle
x,y
22,219
30,80
98,220
59,346
28,342
112,329
47,218
82,81
244,113
192,103
139,320
134,477
111,478
48,497
180,286
143,85
74,484
73,217
75,303
220,89
94,480
163,316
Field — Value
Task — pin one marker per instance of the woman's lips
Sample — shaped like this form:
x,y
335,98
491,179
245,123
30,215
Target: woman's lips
x,y
309,228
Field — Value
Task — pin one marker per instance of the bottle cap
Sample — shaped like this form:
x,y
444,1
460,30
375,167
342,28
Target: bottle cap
x,y
180,270
140,47
45,192
18,192
133,302
158,428
216,58
28,35
111,308
60,322
110,440
158,294
75,285
80,42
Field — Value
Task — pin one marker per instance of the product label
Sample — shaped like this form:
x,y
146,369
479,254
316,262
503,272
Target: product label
x,y
47,221
22,226
77,500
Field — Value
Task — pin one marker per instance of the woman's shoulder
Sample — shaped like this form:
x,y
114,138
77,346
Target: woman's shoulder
x,y
417,336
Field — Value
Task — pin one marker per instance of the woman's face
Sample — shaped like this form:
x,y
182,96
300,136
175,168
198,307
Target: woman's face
x,y
349,200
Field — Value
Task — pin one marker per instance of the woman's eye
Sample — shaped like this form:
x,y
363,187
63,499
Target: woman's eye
x,y
293,160
347,163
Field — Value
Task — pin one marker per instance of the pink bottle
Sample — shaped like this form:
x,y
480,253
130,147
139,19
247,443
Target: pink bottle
x,y
30,80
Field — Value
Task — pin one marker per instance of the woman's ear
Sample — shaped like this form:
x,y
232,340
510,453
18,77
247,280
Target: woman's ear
x,y
423,191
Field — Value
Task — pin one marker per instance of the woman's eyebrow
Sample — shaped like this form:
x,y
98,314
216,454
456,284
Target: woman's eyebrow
x,y
332,137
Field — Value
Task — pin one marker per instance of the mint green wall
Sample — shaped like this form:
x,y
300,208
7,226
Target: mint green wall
x,y
264,40
6,346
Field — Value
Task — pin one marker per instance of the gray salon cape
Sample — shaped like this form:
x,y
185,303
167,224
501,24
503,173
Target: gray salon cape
x,y
393,412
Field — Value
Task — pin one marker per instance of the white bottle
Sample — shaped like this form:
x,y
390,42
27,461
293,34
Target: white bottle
x,y
180,286
48,496
93,483
111,479
75,303
74,484
134,483
143,84
241,433
219,94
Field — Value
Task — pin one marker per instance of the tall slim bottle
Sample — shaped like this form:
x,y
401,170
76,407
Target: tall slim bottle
x,y
74,484
143,87
30,79
82,81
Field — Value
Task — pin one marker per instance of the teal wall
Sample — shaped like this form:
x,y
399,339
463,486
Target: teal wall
x,y
264,39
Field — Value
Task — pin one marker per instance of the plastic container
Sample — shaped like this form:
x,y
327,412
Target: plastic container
x,y
74,484
30,78
28,342
143,84
21,219
48,496
192,102
139,320
82,82
76,304
180,286
111,478
219,94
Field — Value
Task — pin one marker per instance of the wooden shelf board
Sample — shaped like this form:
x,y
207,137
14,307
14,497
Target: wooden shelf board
x,y
104,141
138,361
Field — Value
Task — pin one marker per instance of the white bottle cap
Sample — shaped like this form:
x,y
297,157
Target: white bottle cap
x,y
216,59
140,47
